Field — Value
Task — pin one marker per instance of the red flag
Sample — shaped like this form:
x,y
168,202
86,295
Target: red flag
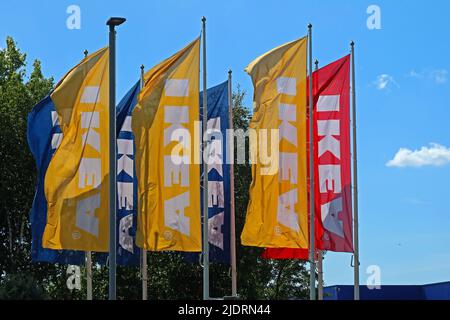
x,y
332,172
287,253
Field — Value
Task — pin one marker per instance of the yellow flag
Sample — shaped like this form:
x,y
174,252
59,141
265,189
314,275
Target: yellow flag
x,y
76,182
168,179
277,211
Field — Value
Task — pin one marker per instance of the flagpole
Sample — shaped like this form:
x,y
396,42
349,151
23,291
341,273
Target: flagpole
x,y
319,252
205,174
89,275
233,216
312,263
112,23
144,271
320,274
88,253
355,180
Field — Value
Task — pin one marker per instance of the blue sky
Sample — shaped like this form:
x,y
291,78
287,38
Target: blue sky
x,y
402,90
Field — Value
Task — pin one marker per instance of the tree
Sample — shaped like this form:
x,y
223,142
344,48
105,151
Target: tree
x,y
18,95
19,287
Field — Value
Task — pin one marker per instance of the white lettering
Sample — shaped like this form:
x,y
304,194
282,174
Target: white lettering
x,y
330,178
174,217
330,216
86,219
286,211
89,172
328,129
216,194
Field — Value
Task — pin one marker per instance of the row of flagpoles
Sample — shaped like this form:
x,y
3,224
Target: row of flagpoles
x,y
65,223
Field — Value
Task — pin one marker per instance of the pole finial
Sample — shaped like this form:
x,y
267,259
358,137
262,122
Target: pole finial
x,y
142,67
316,62
352,43
85,53
230,71
203,19
115,21
309,26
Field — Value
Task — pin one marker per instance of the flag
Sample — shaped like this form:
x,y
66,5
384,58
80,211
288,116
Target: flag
x,y
333,211
127,251
332,170
128,254
163,124
277,209
219,193
76,182
286,253
44,135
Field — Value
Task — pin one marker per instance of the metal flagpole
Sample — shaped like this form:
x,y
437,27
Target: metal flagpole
x,y
319,252
233,217
205,174
112,23
88,253
312,263
144,272
89,275
320,274
355,180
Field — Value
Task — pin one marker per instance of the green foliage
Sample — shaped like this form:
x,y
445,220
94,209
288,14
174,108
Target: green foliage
x,y
170,276
18,95
19,287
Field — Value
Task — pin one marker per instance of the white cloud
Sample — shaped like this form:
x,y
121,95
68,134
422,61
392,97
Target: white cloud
x,y
439,76
415,74
434,155
384,81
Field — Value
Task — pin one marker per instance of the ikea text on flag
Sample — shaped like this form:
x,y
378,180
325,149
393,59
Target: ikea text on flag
x,y
277,209
332,172
127,251
219,202
76,185
168,180
44,136
333,218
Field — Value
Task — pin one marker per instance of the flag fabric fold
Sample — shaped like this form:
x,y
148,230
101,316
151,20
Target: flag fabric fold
x,y
332,172
277,209
127,251
219,203
76,182
44,136
163,124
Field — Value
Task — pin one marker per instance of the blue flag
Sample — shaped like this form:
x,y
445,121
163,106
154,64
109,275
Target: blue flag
x,y
219,202
44,136
127,251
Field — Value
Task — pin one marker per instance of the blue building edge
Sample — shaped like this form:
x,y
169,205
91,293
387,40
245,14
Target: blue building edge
x,y
434,291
